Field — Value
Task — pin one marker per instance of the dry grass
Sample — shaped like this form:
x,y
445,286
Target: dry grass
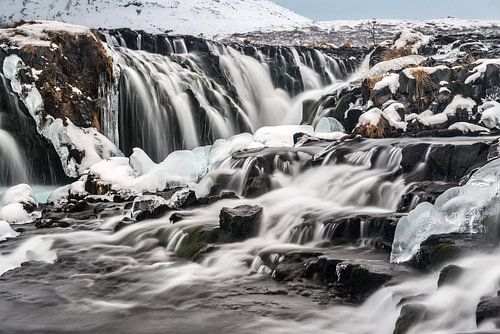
x,y
372,81
391,54
424,86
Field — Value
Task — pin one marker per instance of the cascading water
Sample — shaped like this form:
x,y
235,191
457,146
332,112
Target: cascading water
x,y
13,168
182,100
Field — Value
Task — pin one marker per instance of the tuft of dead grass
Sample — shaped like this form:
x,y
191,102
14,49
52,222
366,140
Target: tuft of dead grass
x,y
424,86
391,54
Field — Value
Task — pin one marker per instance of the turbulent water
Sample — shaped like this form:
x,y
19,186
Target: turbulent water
x,y
100,276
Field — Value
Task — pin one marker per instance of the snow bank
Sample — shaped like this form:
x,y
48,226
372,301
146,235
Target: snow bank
x,y
460,209
278,136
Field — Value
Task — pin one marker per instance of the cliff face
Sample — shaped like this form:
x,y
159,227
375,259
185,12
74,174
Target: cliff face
x,y
61,75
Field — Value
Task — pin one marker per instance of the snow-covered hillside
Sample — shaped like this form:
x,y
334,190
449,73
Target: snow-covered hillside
x,y
193,17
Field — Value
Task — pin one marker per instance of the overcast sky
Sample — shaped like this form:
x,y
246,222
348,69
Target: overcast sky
x,y
405,9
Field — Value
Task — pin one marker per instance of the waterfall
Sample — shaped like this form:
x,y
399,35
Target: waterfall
x,y
189,97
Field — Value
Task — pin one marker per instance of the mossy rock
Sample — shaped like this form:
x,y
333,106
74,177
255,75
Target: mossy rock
x,y
196,241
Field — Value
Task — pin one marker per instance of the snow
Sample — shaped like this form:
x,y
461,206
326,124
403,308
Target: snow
x,y
278,136
490,114
371,117
391,114
192,17
428,118
329,124
460,209
459,102
22,193
391,81
410,37
384,67
468,128
480,69
37,33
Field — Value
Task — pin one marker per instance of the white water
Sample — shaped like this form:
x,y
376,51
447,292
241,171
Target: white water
x,y
13,168
169,102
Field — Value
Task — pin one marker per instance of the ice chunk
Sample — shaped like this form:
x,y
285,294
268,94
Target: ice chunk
x,y
329,124
14,201
460,209
6,232
22,193
15,213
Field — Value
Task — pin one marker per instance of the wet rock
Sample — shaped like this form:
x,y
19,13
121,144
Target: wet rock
x,y
197,240
439,249
411,314
359,279
488,309
449,275
240,223
124,223
49,223
322,269
293,266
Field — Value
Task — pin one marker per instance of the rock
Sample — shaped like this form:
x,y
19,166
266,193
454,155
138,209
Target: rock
x,y
411,314
382,130
449,275
322,269
240,223
293,266
196,241
49,223
359,279
439,249
488,309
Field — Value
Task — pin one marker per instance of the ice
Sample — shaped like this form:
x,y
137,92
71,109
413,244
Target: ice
x,y
329,124
460,209
6,232
468,128
490,114
391,81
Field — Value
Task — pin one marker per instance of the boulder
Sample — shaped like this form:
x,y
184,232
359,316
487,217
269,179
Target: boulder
x,y
411,314
488,309
240,223
449,275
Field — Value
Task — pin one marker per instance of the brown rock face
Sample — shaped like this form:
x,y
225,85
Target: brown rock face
x,y
74,73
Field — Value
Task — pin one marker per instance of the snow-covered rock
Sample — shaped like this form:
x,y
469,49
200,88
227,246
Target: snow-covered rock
x,y
16,202
384,67
391,80
411,38
490,114
468,128
191,17
480,68
6,232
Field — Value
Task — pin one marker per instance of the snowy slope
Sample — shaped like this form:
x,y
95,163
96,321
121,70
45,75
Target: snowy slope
x,y
193,17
